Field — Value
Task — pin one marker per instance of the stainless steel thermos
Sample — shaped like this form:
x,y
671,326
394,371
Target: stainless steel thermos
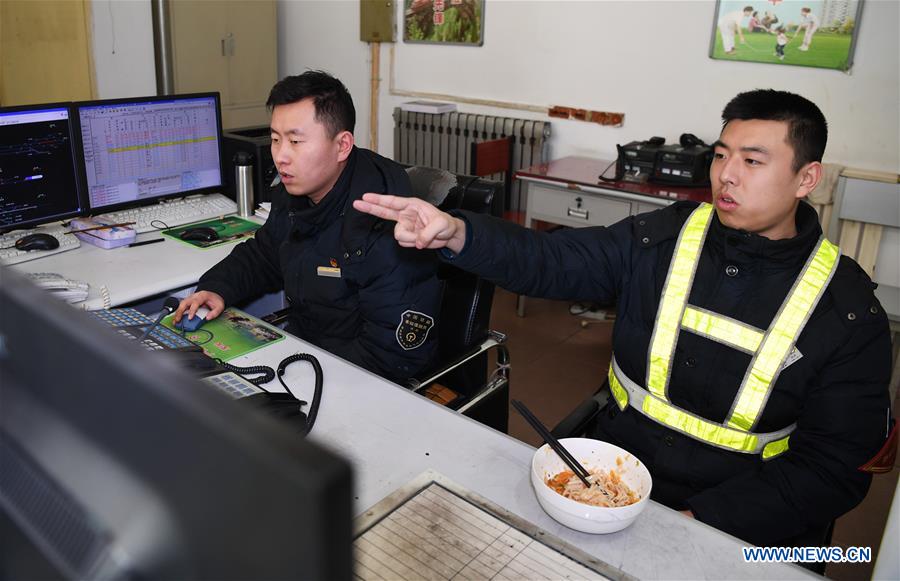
x,y
243,183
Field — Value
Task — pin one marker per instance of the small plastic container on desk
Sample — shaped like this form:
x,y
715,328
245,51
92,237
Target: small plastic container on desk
x,y
107,238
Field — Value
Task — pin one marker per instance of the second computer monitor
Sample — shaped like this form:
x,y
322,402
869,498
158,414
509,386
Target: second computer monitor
x,y
141,150
38,182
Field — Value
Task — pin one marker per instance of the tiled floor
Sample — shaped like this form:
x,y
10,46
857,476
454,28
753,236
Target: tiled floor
x,y
557,362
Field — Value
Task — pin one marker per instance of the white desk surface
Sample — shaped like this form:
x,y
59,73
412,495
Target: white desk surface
x,y
130,274
391,435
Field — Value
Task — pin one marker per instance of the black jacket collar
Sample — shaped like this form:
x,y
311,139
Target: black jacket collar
x,y
365,171
753,246
372,173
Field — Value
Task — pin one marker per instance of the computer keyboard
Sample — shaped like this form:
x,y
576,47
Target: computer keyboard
x,y
173,213
9,254
131,324
232,384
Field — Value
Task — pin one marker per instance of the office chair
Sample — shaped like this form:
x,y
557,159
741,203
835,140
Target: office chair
x,y
464,336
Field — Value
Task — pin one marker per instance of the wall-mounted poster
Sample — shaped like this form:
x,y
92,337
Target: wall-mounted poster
x,y
444,21
808,33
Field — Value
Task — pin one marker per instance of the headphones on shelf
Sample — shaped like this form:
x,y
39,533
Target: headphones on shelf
x,y
690,140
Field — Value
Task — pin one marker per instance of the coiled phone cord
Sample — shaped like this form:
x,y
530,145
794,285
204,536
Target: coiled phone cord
x,y
317,393
266,374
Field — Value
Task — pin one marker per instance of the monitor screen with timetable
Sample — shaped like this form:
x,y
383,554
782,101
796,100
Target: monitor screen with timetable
x,y
142,150
38,183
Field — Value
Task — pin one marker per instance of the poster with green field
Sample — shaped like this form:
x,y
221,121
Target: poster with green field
x,y
231,334
227,229
811,33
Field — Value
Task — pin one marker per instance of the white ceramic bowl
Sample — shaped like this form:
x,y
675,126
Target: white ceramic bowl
x,y
593,454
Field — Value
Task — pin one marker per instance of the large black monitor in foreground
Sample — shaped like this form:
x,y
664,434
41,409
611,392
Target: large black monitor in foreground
x,y
38,181
116,464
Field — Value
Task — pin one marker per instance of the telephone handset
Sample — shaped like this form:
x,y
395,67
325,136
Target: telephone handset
x,y
67,289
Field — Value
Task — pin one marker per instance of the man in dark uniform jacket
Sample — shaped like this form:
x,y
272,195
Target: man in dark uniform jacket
x,y
755,393
352,290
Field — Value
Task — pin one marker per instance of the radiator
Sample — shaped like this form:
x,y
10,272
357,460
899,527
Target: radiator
x,y
445,141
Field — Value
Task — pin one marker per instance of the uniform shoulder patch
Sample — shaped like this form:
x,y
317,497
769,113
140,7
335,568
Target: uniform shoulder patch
x,y
413,329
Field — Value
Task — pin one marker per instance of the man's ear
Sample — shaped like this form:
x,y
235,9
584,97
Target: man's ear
x,y
344,141
810,175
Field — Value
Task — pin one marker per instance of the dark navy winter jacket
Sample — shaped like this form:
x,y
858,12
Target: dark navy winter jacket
x,y
353,291
836,392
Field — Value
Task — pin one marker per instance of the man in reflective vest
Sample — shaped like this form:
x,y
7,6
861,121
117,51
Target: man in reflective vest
x,y
751,360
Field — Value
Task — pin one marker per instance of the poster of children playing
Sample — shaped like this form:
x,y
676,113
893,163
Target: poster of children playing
x,y
808,33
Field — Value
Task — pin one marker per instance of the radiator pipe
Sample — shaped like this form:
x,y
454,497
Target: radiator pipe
x,y
373,115
162,47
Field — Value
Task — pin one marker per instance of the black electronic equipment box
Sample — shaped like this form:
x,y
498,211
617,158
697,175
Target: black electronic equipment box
x,y
637,159
682,166
257,141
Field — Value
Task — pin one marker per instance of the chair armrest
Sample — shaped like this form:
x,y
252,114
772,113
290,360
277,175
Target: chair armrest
x,y
495,340
488,402
574,424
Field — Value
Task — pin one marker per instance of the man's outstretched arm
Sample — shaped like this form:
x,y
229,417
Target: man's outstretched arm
x,y
419,224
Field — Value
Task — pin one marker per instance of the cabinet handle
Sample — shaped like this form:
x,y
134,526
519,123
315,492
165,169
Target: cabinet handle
x,y
577,213
228,45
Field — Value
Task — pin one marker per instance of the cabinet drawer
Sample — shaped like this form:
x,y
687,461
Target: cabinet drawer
x,y
574,208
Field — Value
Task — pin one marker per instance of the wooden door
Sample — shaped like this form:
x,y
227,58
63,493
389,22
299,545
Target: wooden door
x,y
45,52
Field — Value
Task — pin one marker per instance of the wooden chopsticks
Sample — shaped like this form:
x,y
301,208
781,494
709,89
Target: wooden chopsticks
x,y
550,439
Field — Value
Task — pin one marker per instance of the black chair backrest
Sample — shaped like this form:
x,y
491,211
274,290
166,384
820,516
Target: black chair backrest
x,y
466,306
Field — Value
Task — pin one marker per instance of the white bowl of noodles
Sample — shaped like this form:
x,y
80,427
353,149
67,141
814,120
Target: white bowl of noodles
x,y
619,493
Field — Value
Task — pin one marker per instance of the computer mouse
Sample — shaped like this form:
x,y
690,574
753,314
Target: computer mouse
x,y
202,234
39,241
194,323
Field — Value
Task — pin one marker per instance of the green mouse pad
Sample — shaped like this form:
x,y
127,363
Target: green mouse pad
x,y
231,334
229,229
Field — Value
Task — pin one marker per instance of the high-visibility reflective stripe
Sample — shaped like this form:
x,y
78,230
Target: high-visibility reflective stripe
x,y
782,335
768,444
697,427
617,390
679,280
775,448
722,329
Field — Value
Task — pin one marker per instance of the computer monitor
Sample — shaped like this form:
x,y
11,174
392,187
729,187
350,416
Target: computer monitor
x,y
139,151
116,464
38,183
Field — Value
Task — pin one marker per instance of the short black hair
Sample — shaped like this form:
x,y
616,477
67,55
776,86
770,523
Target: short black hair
x,y
334,106
807,129
748,8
